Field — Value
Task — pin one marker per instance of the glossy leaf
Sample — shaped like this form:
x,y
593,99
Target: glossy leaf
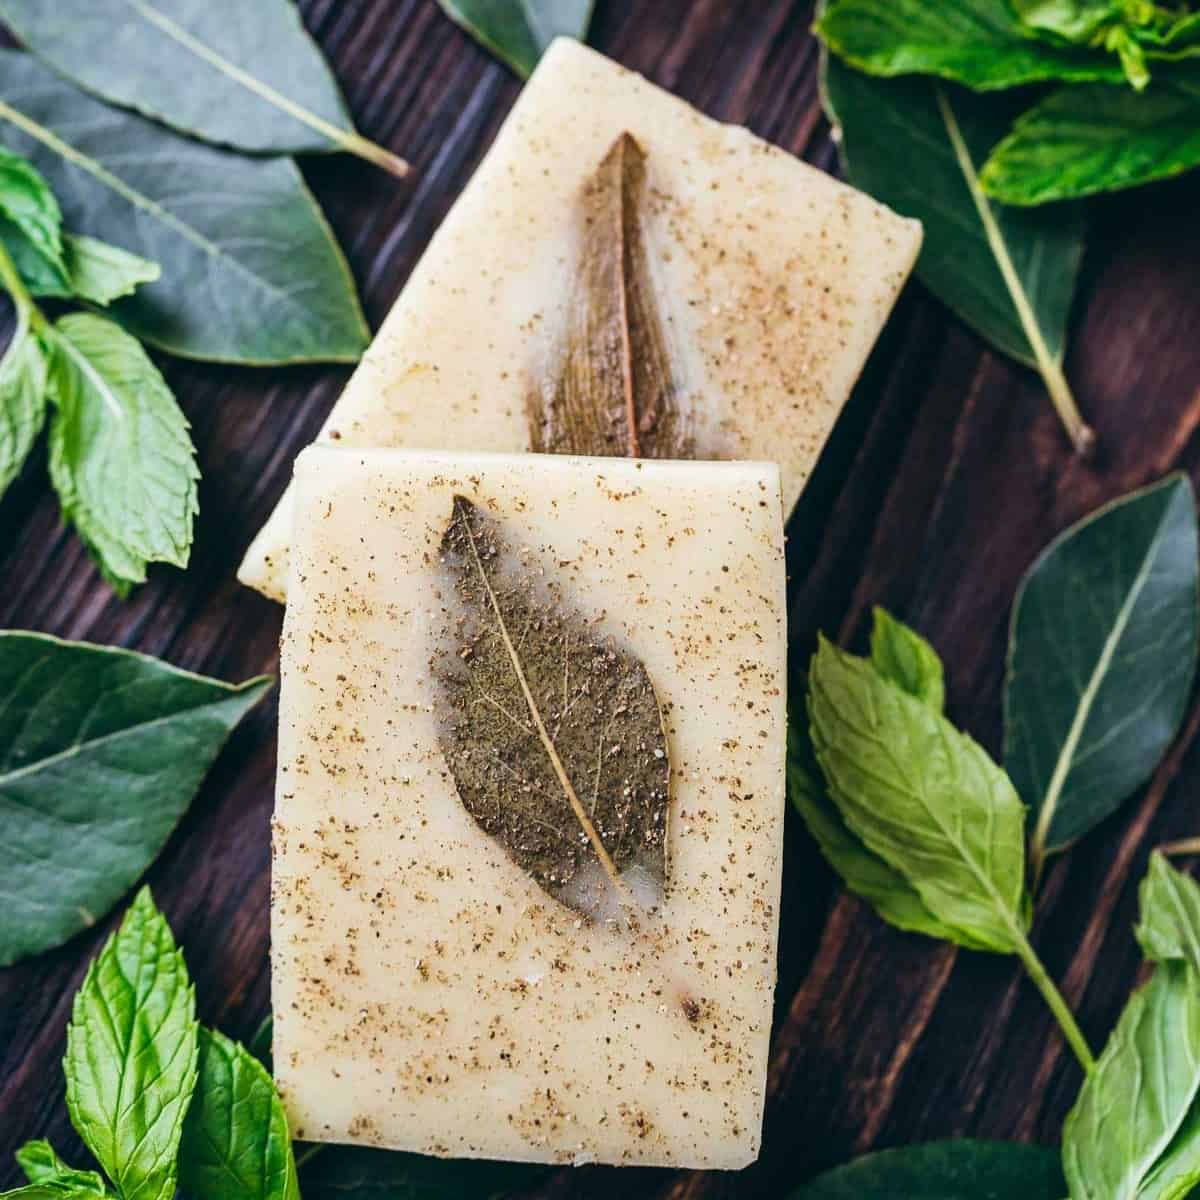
x,y
22,399
1102,654
901,655
1138,1099
243,75
121,457
1084,140
958,1170
353,1173
976,42
235,1144
251,271
131,1055
519,31
101,751
41,1164
924,797
94,270
1169,927
1010,274
27,202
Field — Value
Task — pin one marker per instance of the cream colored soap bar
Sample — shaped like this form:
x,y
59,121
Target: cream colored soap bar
x,y
429,995
773,278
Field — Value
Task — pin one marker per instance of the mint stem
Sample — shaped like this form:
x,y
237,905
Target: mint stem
x,y
1058,1006
1178,849
14,285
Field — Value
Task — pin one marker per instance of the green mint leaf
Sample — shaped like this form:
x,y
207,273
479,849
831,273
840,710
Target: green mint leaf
x,y
1102,654
235,1139
41,1164
1138,1099
256,81
1074,20
100,748
121,458
905,658
863,872
1169,926
22,399
131,1055
1010,274
958,1170
979,43
518,32
1084,140
253,272
27,201
354,1173
924,797
93,270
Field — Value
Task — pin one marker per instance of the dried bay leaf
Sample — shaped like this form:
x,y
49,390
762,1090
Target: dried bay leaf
x,y
551,730
614,391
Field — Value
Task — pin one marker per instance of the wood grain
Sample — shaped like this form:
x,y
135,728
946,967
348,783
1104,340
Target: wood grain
x,y
945,476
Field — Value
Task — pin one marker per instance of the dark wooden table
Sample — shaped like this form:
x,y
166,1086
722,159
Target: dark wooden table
x,y
945,476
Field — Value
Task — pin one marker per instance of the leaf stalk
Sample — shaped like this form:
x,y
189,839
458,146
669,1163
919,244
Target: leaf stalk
x,y
1055,1002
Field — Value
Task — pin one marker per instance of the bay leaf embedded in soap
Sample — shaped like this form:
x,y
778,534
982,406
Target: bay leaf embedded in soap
x,y
552,730
612,388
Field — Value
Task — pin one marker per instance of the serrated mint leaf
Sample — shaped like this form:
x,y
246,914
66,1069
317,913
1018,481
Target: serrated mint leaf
x,y
901,655
27,201
41,1164
22,399
101,752
923,796
1084,140
1101,659
1168,929
1138,1100
863,872
92,270
131,1055
979,43
121,458
518,32
958,1170
236,1144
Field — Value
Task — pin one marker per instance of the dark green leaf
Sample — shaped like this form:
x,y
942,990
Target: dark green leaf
x,y
131,1055
977,42
121,458
27,201
243,75
1136,1102
960,1170
251,272
924,797
1101,659
1010,274
41,1164
350,1173
22,399
863,872
1083,140
1169,926
519,31
235,1144
101,751
901,655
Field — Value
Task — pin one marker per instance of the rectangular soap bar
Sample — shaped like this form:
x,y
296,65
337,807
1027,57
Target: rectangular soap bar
x,y
430,993
773,280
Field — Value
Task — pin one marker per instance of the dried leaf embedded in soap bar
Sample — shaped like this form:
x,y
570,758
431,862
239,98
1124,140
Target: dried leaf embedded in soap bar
x,y
551,730
612,389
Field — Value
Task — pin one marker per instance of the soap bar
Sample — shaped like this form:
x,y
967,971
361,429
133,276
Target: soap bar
x,y
772,278
431,992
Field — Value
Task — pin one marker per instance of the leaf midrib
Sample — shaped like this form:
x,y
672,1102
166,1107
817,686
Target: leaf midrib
x,y
78,748
1066,755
